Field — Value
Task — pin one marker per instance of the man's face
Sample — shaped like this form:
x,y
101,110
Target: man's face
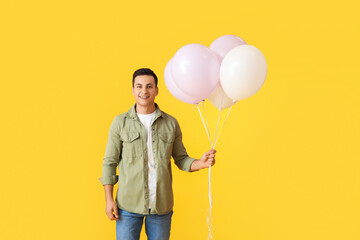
x,y
144,90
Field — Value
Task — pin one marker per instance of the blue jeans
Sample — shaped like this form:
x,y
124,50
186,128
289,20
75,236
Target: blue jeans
x,y
157,227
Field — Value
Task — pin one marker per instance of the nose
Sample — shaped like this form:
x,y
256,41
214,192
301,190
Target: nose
x,y
144,90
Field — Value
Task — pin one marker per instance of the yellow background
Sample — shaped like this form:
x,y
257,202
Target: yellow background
x,y
288,159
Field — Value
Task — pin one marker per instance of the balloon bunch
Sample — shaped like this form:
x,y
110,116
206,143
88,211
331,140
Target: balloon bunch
x,y
228,71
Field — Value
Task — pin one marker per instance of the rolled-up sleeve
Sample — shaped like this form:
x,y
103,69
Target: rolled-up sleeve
x,y
112,155
181,158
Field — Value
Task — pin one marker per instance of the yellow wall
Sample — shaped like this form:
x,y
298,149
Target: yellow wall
x,y
288,159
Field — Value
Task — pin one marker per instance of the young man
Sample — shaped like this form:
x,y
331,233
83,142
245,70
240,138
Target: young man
x,y
141,143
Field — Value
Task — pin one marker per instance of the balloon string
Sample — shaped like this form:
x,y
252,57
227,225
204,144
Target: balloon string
x,y
224,123
204,124
217,125
209,217
206,121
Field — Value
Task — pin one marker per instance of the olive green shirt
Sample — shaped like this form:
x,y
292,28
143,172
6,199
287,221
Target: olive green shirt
x,y
127,149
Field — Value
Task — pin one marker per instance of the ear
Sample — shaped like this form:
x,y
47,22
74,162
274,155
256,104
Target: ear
x,y
132,90
157,91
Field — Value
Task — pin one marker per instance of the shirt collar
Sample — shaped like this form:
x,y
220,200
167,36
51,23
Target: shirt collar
x,y
132,112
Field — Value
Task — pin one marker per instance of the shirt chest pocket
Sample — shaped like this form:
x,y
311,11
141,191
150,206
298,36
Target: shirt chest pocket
x,y
131,144
166,141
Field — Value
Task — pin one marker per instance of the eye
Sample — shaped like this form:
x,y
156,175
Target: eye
x,y
149,86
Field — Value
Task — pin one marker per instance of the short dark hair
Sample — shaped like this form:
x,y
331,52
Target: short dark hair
x,y
144,71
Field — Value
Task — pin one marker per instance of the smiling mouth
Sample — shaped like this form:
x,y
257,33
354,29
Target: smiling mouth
x,y
144,97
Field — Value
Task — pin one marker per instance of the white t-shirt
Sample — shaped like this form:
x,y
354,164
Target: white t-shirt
x,y
147,120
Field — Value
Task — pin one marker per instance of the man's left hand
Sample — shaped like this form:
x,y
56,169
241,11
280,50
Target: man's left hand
x,y
207,159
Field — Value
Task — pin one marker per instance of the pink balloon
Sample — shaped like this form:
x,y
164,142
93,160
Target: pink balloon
x,y
174,90
195,69
224,44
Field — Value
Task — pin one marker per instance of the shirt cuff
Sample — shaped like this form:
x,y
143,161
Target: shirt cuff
x,y
109,179
187,163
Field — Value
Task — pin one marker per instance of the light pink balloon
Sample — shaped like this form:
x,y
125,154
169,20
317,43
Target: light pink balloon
x,y
173,89
195,69
224,44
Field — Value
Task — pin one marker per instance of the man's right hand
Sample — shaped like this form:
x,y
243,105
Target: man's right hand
x,y
111,210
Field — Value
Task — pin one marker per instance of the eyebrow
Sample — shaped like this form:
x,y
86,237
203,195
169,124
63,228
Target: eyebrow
x,y
139,84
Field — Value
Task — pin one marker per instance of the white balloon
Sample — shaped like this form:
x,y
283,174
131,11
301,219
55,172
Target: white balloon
x,y
243,72
219,99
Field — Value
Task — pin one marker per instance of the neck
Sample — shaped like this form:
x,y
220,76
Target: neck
x,y
145,109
